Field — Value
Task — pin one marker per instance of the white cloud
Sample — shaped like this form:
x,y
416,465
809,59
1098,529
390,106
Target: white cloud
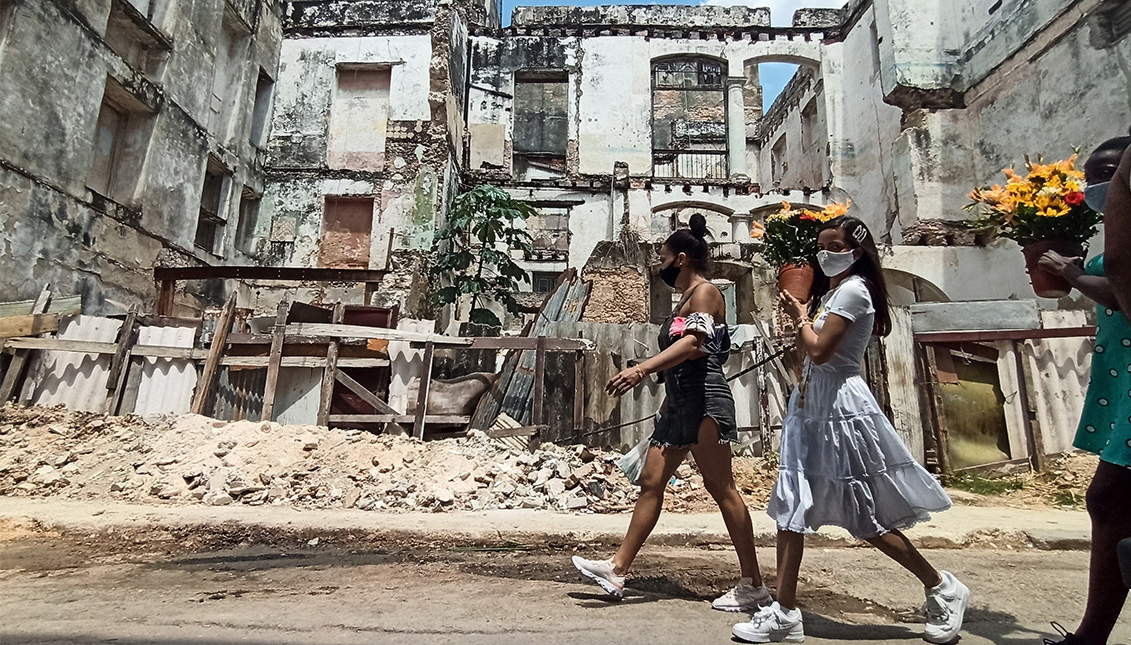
x,y
781,11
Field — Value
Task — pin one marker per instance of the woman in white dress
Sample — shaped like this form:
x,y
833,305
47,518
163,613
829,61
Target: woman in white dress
x,y
842,462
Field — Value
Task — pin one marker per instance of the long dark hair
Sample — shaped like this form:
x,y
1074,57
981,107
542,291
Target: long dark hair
x,y
858,236
691,241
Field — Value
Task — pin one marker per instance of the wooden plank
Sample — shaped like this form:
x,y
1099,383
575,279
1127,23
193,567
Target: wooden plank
x,y
300,361
59,305
120,363
398,418
330,373
359,331
539,381
989,315
992,336
94,347
1025,376
935,409
215,353
265,339
365,394
166,297
425,387
30,325
14,374
275,361
579,391
521,431
529,342
903,389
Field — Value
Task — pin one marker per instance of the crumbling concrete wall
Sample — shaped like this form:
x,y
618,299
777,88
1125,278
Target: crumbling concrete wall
x,y
53,227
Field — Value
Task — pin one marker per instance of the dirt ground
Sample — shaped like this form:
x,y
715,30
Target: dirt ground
x,y
123,588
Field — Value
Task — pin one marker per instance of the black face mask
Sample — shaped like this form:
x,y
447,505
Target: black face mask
x,y
670,274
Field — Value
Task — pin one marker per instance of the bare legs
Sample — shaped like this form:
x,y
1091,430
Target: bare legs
x,y
1109,505
895,545
658,469
714,461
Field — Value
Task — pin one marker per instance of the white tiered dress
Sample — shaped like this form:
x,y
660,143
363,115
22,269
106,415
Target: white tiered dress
x,y
842,462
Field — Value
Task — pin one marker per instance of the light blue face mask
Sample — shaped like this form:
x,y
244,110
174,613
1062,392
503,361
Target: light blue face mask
x,y
1095,196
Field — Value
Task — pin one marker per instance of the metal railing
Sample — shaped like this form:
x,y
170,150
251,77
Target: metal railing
x,y
689,164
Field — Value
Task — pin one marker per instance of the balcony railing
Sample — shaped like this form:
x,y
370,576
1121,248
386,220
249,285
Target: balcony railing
x,y
689,164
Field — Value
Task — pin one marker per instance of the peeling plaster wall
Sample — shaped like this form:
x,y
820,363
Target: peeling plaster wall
x,y
52,227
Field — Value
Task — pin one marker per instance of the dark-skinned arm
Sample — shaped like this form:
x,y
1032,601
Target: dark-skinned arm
x,y
1117,235
1098,288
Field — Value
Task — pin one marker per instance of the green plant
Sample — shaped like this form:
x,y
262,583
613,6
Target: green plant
x,y
980,485
473,252
790,235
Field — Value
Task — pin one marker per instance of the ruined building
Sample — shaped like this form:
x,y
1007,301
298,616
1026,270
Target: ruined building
x,y
334,133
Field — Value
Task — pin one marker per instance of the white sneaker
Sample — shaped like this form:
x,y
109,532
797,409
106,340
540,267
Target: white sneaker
x,y
772,625
744,597
945,608
603,573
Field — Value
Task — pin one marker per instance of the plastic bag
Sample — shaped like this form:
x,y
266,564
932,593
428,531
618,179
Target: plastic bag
x,y
632,463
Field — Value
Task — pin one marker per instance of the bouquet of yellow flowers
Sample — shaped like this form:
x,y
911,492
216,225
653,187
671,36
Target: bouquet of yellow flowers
x,y
1047,203
790,235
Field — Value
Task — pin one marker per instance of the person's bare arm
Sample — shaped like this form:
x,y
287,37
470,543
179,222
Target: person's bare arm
x,y
1117,235
1093,286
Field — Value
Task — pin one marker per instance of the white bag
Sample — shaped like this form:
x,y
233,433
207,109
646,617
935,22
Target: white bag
x,y
632,463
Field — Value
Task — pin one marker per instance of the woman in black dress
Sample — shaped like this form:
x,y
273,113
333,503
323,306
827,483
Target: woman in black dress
x,y
697,417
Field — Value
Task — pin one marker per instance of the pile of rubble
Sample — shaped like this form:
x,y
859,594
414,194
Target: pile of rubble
x,y
193,459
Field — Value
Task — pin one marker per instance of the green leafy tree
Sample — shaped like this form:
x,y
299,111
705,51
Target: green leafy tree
x,y
473,252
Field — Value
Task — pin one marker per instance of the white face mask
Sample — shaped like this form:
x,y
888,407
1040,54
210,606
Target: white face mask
x,y
1095,196
834,264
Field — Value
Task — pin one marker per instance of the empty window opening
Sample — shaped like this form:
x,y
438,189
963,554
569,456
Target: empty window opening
x,y
541,125
550,231
347,233
131,35
359,117
249,221
121,142
778,159
213,197
261,110
227,76
689,129
543,282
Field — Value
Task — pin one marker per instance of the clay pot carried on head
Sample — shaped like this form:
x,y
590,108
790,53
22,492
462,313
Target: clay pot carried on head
x,y
796,280
1047,284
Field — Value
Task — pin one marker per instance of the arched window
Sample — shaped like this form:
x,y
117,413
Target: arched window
x,y
689,129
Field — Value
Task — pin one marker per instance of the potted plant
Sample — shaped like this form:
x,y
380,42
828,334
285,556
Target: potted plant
x,y
1043,210
789,243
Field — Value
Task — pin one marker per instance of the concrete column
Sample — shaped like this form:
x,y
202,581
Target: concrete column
x,y
736,128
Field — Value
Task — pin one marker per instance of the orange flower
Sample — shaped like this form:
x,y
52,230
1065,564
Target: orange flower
x,y
757,230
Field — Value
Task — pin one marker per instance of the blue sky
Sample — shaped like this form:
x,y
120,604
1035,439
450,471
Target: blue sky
x,y
774,75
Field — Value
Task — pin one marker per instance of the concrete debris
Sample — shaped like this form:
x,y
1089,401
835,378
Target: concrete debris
x,y
197,460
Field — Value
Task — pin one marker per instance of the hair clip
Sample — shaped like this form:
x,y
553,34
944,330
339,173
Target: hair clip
x,y
861,233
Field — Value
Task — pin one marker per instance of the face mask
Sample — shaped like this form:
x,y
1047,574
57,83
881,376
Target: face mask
x,y
834,264
1095,196
670,274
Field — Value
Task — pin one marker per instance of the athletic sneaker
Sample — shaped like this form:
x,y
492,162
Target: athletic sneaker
x,y
1066,637
603,573
744,597
945,608
772,624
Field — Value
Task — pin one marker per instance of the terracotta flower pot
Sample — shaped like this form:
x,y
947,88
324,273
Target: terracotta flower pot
x,y
1046,284
797,280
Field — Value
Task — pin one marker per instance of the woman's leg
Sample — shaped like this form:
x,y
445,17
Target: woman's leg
x,y
791,547
658,469
896,546
714,461
1109,505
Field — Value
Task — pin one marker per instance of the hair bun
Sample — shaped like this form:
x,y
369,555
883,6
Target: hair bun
x,y
698,225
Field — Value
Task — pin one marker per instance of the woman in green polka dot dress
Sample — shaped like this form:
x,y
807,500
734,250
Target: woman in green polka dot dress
x,y
1105,425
